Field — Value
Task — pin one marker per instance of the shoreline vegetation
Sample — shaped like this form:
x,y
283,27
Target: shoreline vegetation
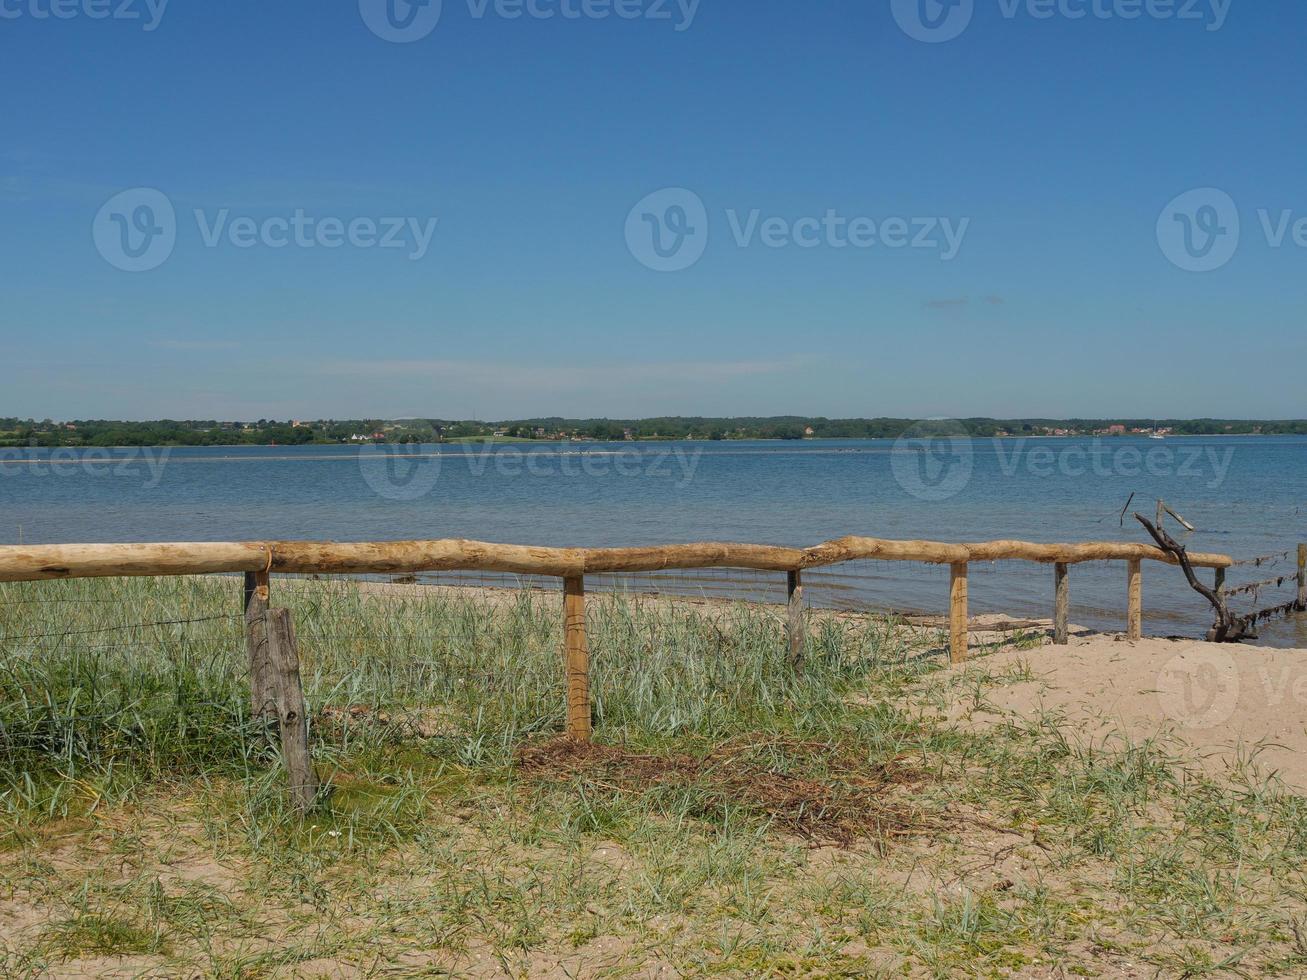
x,y
48,433
886,814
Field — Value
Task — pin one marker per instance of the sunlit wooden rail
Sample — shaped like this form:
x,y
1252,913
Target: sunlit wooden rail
x,y
274,671
23,563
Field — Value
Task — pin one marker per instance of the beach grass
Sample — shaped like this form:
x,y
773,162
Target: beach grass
x,y
733,818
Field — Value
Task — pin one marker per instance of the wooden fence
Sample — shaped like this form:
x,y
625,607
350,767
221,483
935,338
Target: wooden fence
x,y
274,668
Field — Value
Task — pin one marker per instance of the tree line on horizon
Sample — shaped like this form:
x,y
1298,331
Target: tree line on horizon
x,y
48,433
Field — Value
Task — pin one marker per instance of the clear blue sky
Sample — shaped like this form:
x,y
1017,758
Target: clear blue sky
x,y
1059,142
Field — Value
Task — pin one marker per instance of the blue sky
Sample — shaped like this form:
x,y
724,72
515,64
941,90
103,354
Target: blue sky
x,y
1051,145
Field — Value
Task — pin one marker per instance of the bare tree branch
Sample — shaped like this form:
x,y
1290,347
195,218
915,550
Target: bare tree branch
x,y
1228,627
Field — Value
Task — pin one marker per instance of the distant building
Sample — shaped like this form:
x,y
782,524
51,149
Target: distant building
x,y
1116,430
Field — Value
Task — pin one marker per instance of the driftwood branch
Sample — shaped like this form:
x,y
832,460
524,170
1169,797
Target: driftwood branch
x,y
1163,508
1129,500
1228,627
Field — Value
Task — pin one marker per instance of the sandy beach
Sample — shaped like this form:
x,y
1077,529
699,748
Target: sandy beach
x,y
1231,704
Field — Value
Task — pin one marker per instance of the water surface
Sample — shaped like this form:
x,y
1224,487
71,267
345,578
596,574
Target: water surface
x,y
1244,494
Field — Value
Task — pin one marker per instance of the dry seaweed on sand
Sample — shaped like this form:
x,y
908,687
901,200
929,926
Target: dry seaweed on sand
x,y
839,812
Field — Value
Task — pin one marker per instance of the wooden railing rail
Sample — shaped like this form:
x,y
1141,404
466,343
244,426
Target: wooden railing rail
x,y
23,563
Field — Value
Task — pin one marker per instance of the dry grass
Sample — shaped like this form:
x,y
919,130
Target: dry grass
x,y
846,806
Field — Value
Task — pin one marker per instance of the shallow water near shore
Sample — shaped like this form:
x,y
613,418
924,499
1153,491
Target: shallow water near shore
x,y
1245,495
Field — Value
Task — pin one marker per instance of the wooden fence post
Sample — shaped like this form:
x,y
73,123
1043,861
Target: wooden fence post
x,y
1135,611
957,616
292,713
794,626
577,660
1302,578
1061,604
263,698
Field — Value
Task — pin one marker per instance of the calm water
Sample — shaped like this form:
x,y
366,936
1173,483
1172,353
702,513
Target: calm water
x,y
1246,496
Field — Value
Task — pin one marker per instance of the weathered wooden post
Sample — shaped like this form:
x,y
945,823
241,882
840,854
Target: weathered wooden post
x,y
1302,578
1061,604
957,614
794,627
577,659
263,701
292,712
1134,627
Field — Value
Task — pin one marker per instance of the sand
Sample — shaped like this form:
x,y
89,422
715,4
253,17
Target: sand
x,y
1230,703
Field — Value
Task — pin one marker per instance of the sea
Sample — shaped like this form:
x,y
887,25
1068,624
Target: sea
x,y
1246,496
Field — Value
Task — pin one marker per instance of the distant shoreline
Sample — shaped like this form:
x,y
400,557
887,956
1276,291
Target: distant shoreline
x,y
5,450
48,433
